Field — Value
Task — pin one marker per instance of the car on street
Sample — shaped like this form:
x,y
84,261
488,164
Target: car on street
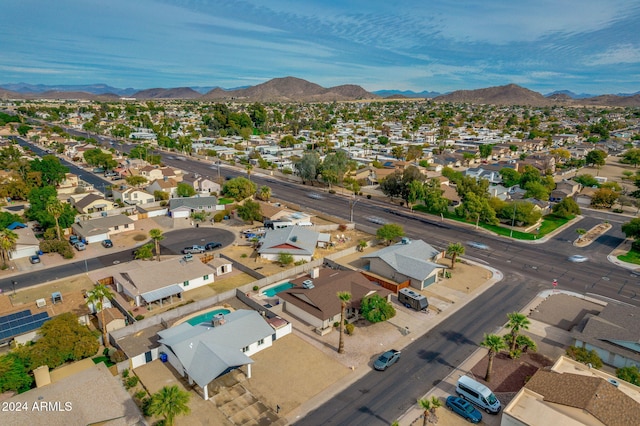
x,y
193,249
478,245
80,246
107,243
377,220
315,196
464,408
34,259
386,359
577,258
212,246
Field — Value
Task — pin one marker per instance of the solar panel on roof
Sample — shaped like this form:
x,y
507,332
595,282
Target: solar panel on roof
x,y
22,323
15,315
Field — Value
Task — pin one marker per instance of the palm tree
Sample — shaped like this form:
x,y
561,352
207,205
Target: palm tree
x,y
495,344
429,406
344,297
96,296
156,236
249,167
55,209
581,233
169,402
455,250
517,322
8,240
265,193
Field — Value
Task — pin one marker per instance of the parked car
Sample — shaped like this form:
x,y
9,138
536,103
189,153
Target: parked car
x,y
193,249
464,408
73,239
212,246
477,245
386,359
107,243
110,174
34,259
80,246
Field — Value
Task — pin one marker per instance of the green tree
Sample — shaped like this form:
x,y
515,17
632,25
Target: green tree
x,y
264,193
604,198
631,229
581,233
334,167
23,129
284,258
429,407
517,322
344,297
415,192
433,199
156,235
308,166
250,211
631,156
494,344
170,402
486,150
596,157
55,209
537,190
628,374
160,195
14,376
510,177
587,180
584,356
144,252
375,308
389,232
96,297
239,188
8,240
454,250
52,171
566,208
185,190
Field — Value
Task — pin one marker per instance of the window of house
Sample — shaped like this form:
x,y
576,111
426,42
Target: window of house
x,y
116,227
126,225
245,349
206,277
186,283
260,342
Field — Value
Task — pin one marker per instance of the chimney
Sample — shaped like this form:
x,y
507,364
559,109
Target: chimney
x,y
314,273
217,320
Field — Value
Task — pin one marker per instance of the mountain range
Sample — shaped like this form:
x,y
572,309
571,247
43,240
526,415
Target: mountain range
x,y
292,89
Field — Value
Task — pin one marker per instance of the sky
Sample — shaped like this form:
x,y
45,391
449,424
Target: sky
x,y
585,46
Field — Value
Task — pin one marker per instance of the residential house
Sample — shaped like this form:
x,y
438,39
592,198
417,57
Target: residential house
x,y
564,189
583,198
168,186
202,184
147,282
183,207
448,159
204,352
493,177
92,203
613,334
26,245
132,196
573,394
300,242
408,260
102,228
69,184
319,306
543,162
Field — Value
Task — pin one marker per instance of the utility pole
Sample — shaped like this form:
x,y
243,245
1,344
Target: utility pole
x,y
513,221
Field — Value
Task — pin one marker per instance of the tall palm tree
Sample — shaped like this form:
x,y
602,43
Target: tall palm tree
x,y
156,236
249,168
55,209
429,406
495,344
265,193
96,297
517,322
169,402
344,297
8,240
454,250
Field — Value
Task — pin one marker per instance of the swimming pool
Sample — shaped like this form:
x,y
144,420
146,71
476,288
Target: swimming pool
x,y
277,289
207,316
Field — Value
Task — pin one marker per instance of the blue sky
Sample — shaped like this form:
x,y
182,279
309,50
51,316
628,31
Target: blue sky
x,y
586,46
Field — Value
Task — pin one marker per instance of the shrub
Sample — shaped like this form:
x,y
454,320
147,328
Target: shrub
x,y
368,196
256,288
57,246
349,329
629,374
140,395
219,217
332,191
117,356
342,227
376,309
139,317
139,237
146,404
244,255
336,324
584,356
125,373
131,381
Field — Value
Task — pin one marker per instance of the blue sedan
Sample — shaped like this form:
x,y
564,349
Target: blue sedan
x,y
464,408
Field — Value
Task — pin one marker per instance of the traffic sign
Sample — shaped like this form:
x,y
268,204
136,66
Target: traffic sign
x,y
555,283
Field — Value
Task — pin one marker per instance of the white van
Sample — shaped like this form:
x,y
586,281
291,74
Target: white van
x,y
478,394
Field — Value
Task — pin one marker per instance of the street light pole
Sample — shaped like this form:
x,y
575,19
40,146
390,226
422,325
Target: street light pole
x,y
14,283
513,221
352,204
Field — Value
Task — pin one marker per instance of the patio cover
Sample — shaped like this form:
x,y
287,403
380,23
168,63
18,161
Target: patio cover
x,y
161,293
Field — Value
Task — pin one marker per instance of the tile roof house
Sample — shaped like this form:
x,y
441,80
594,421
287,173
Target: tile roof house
x,y
408,260
298,241
202,184
613,334
170,186
574,394
92,203
132,196
319,306
564,189
209,350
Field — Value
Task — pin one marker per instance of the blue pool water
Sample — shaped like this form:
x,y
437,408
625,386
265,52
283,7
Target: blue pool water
x,y
207,316
277,289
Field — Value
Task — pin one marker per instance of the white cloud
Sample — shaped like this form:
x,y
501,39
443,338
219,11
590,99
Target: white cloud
x,y
621,54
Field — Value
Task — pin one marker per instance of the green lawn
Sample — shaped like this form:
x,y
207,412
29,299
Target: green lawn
x,y
226,200
549,224
106,360
632,256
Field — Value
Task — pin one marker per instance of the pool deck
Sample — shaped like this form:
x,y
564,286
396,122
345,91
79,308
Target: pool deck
x,y
204,311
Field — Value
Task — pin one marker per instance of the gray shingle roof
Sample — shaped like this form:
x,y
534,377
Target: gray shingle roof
x,y
197,203
295,240
412,260
207,352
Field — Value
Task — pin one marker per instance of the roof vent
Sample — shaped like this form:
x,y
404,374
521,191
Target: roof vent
x,y
614,382
294,238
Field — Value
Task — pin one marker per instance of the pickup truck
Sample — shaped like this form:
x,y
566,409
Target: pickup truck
x,y
193,249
